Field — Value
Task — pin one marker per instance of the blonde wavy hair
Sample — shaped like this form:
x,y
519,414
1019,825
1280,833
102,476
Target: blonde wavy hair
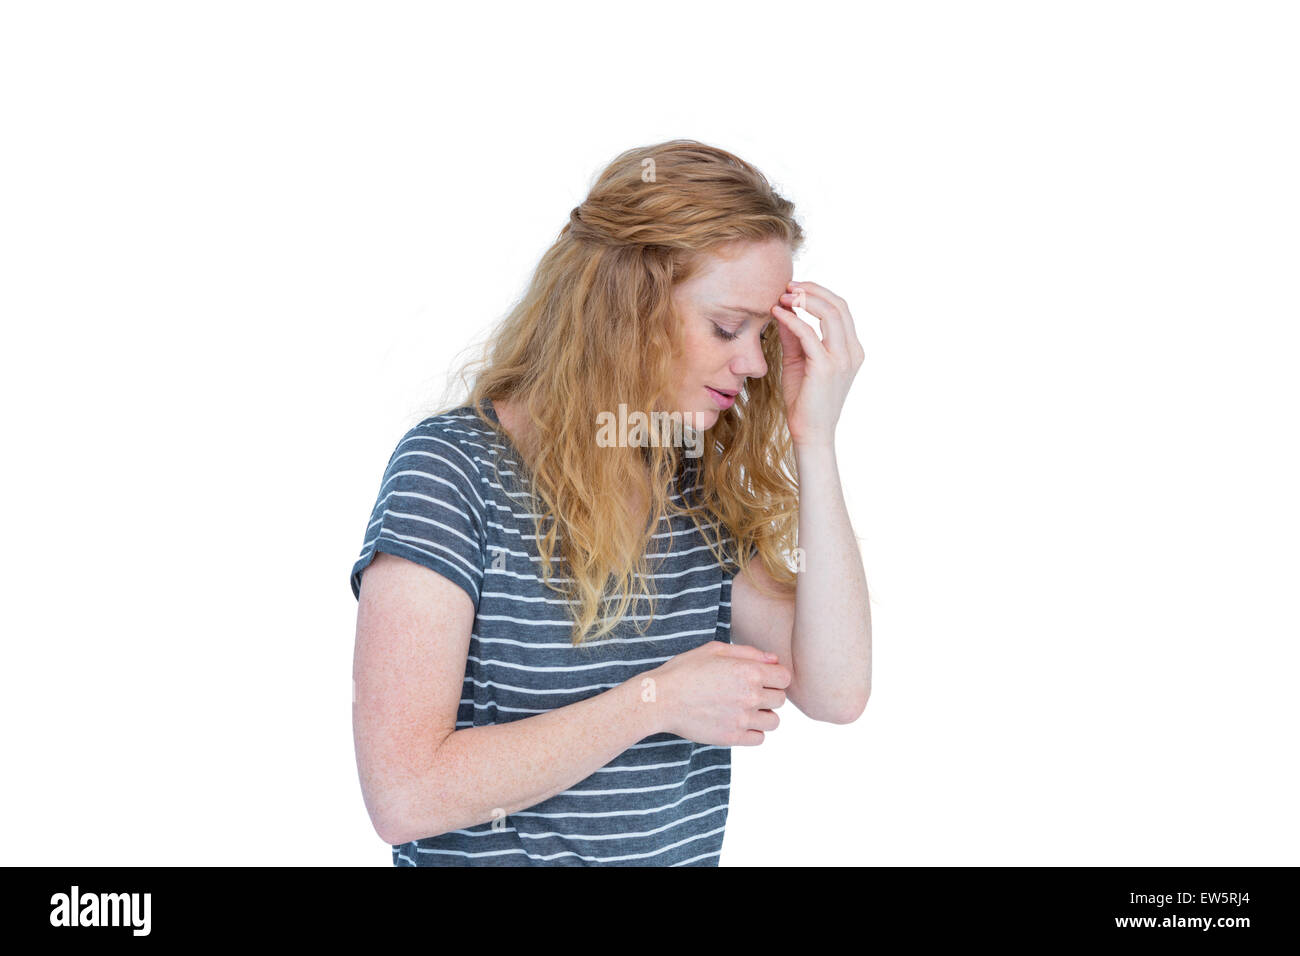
x,y
596,328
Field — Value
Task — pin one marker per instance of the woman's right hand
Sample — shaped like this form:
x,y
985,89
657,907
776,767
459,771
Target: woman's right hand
x,y
719,693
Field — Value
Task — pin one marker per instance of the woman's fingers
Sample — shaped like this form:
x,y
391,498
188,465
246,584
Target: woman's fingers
x,y
812,346
841,317
825,311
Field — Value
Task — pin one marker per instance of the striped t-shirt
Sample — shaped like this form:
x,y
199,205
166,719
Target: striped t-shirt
x,y
452,500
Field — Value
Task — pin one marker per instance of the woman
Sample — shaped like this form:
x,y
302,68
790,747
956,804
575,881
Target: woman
x,y
552,662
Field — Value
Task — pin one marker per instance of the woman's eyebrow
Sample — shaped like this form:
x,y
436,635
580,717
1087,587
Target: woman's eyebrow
x,y
749,312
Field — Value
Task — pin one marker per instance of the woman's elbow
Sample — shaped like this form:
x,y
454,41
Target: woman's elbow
x,y
396,831
850,712
398,825
391,831
390,816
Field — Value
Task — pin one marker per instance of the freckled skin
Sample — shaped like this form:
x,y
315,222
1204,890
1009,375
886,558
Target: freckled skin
x,y
750,274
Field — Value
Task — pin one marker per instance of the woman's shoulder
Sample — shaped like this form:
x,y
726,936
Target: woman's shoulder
x,y
456,438
460,426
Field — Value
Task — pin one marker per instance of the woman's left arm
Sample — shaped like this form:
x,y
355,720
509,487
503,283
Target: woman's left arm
x,y
830,644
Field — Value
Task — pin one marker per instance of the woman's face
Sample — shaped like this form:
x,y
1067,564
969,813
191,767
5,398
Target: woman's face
x,y
722,310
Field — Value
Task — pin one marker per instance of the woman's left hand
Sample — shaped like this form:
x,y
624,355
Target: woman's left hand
x,y
816,375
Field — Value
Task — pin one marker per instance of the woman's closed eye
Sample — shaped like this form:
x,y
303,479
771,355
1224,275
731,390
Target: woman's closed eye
x,y
723,334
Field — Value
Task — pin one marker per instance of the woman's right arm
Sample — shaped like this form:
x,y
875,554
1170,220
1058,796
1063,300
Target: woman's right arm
x,y
421,777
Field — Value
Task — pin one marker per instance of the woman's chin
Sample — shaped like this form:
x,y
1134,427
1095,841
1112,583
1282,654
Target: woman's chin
x,y
700,420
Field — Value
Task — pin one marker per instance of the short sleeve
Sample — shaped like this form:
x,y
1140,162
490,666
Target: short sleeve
x,y
429,510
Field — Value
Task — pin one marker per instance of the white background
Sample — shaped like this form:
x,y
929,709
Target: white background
x,y
244,243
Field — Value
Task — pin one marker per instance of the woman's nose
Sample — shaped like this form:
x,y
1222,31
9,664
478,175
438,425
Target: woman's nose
x,y
750,362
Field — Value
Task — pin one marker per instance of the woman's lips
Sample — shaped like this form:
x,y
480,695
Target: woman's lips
x,y
723,401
